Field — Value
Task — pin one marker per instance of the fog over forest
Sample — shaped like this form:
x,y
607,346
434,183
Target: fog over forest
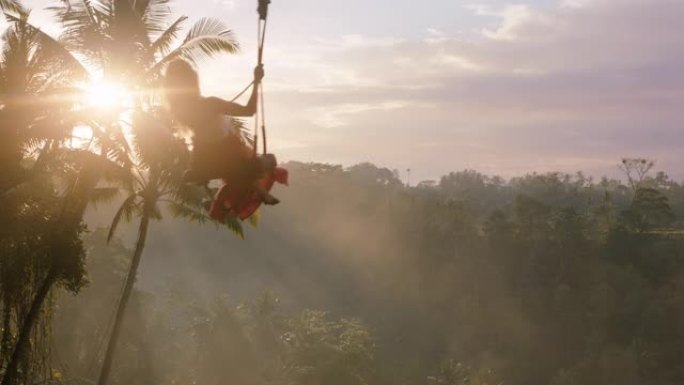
x,y
546,278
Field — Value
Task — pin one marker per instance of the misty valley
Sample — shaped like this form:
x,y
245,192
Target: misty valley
x,y
359,279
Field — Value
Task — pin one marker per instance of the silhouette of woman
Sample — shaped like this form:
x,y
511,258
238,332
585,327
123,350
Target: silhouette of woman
x,y
216,155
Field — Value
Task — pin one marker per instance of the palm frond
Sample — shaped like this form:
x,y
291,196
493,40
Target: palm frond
x,y
207,38
189,195
125,212
90,10
154,14
101,165
192,214
207,26
85,25
240,127
18,50
12,6
50,48
255,219
120,155
205,47
162,44
201,48
234,225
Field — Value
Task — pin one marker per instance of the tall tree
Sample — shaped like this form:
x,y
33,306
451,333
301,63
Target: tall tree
x,y
131,42
161,160
40,237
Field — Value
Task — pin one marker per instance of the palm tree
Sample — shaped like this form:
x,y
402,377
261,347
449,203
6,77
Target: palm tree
x,y
161,160
40,240
36,73
57,256
131,42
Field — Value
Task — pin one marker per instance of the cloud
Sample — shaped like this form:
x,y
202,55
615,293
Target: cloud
x,y
511,18
227,5
435,36
335,116
574,3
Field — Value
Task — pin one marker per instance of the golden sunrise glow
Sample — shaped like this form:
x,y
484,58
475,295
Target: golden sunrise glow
x,y
106,95
103,99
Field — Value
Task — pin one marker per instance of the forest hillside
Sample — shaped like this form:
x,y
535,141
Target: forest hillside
x,y
541,279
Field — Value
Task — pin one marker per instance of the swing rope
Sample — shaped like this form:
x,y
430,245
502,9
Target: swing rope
x,y
261,112
260,116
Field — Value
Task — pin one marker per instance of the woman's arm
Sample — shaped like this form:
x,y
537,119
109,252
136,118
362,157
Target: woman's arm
x,y
238,110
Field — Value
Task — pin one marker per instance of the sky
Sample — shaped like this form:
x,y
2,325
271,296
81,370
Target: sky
x,y
502,87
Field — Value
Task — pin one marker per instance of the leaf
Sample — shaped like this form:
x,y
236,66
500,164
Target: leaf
x,y
191,195
207,26
125,211
51,47
12,6
234,225
206,47
162,44
255,219
99,164
207,37
155,14
240,126
84,24
179,210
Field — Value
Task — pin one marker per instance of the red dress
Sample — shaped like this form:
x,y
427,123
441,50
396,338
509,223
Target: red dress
x,y
240,202
235,163
226,157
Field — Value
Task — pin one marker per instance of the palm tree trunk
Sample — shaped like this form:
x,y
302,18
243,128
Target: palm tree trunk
x,y
6,332
123,302
27,327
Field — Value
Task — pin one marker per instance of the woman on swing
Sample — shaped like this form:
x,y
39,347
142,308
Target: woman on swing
x,y
216,155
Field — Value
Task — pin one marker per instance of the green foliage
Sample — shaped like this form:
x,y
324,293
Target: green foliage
x,y
325,351
649,210
256,342
550,285
543,278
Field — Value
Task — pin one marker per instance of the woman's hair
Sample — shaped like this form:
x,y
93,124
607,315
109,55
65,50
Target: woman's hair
x,y
180,83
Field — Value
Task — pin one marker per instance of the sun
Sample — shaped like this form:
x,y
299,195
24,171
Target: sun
x,y
102,99
103,94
